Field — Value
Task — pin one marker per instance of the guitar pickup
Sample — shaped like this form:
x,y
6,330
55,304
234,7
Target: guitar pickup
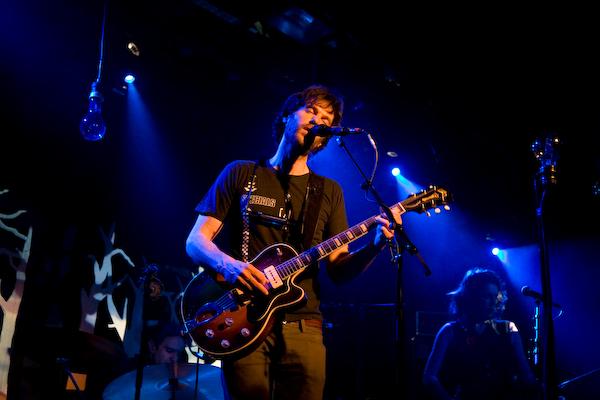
x,y
273,277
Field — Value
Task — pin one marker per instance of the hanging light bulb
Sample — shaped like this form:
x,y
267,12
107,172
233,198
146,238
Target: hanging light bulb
x,y
92,126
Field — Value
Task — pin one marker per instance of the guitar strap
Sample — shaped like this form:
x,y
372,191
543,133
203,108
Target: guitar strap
x,y
310,215
312,207
244,202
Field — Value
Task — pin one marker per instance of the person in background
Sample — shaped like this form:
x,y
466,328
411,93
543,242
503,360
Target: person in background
x,y
166,344
478,355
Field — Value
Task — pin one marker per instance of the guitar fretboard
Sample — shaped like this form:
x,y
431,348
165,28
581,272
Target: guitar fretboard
x,y
327,247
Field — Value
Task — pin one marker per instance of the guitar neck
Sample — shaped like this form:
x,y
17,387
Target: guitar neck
x,y
327,247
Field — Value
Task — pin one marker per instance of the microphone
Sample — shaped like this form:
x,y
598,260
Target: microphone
x,y
529,292
324,130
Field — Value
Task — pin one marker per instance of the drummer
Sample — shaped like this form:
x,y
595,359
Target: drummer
x,y
166,370
166,344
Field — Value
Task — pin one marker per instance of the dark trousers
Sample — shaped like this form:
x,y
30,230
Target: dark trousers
x,y
289,364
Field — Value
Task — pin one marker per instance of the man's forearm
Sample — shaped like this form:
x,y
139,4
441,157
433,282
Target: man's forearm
x,y
353,264
205,252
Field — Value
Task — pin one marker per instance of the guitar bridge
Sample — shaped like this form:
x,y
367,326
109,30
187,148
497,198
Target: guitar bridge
x,y
239,297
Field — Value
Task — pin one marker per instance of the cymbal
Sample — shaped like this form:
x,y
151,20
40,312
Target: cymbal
x,y
156,385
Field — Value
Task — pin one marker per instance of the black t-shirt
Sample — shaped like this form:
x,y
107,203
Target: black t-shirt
x,y
268,207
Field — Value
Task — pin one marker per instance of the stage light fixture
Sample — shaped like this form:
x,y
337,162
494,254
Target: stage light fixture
x,y
133,49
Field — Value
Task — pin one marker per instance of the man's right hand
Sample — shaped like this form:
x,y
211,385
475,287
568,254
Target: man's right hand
x,y
201,248
245,274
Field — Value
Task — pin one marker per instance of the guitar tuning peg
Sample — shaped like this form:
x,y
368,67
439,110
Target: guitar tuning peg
x,y
437,210
447,207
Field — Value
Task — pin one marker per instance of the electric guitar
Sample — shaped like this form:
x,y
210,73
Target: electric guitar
x,y
227,322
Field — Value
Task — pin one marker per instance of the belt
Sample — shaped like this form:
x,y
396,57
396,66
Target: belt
x,y
314,323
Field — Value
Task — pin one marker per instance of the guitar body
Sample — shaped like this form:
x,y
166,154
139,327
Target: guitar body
x,y
227,322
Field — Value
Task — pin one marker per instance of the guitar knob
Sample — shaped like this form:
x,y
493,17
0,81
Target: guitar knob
x,y
437,210
228,321
245,332
225,343
209,333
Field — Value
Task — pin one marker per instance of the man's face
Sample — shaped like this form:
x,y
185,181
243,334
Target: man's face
x,y
168,350
299,123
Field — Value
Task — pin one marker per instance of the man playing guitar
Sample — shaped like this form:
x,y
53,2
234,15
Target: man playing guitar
x,y
261,204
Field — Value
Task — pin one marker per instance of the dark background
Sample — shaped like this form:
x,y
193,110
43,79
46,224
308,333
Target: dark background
x,y
460,94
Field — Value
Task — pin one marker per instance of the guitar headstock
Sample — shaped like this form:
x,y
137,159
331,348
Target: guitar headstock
x,y
426,199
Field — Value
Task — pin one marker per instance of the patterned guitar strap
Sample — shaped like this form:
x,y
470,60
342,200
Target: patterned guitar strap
x,y
245,208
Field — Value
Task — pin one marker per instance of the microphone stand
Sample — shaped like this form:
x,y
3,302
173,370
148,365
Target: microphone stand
x,y
397,246
147,277
547,155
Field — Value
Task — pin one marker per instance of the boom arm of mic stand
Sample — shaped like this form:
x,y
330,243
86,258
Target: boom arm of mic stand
x,y
367,185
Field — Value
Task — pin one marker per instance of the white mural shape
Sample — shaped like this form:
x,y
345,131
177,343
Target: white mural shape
x,y
102,289
17,260
131,341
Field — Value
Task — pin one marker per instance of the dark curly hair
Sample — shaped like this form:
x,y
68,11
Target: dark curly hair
x,y
163,330
472,282
308,97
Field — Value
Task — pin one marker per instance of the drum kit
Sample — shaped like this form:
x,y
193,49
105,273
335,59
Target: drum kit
x,y
183,381
99,358
100,362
